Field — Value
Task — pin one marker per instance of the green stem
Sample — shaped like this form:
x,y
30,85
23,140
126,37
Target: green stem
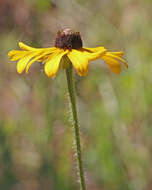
x,y
71,89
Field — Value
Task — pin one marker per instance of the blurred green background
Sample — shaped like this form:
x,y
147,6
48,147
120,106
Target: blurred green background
x,y
115,111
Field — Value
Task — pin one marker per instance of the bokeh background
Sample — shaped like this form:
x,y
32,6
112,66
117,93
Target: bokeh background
x,y
115,111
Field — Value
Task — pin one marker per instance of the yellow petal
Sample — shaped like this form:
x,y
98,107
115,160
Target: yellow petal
x,y
79,61
23,62
111,54
92,55
12,53
47,52
120,53
26,47
96,49
113,64
37,58
16,54
53,62
80,58
32,61
29,48
41,57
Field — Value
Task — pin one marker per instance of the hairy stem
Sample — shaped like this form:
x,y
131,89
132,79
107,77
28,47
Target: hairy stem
x,y
71,90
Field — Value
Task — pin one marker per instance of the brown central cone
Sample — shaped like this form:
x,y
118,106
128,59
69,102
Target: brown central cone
x,y
68,39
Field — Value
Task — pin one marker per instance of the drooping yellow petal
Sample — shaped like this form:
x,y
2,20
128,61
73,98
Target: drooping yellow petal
x,y
32,61
79,61
42,56
113,64
111,54
37,58
80,58
112,59
47,52
53,62
22,63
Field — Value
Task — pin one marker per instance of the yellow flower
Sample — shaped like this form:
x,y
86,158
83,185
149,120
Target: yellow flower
x,y
68,44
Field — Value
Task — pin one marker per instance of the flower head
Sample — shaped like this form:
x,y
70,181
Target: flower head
x,y
68,46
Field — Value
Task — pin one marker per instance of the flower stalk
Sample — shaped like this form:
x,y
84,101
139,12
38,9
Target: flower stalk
x,y
71,90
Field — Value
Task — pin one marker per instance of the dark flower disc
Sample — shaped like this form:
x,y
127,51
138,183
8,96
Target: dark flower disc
x,y
68,39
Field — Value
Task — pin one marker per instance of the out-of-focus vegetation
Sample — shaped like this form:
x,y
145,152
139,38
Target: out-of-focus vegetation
x,y
115,111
